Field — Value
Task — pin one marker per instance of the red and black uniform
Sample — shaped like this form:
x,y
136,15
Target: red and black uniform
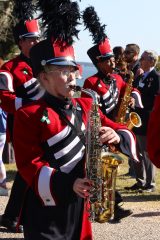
x,y
110,89
18,87
55,160
19,90
153,134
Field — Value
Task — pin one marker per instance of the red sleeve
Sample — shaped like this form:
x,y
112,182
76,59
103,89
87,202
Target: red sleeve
x,y
153,134
127,143
28,151
137,96
87,85
121,84
7,102
7,94
127,138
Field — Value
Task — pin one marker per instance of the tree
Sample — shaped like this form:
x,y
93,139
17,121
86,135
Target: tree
x,y
7,21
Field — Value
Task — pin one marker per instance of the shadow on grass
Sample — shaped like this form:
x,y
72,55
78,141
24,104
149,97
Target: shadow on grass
x,y
142,197
146,214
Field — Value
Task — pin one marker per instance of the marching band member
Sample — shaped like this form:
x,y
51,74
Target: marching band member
x,y
105,82
19,88
51,133
109,86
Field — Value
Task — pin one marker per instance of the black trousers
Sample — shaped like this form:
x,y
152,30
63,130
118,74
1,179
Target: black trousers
x,y
145,169
61,222
16,198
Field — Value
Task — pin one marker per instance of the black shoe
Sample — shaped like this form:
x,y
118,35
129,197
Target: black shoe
x,y
132,175
149,189
120,213
11,225
134,187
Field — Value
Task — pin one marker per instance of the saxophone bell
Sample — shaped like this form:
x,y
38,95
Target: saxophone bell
x,y
134,120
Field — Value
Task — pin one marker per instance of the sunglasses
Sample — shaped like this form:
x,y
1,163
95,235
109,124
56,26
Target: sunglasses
x,y
128,52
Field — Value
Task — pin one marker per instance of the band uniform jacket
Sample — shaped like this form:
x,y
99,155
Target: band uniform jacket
x,y
110,90
50,155
153,134
20,90
149,88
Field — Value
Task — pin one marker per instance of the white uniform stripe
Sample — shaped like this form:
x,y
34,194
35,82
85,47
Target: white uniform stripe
x,y
33,89
111,99
139,98
9,83
83,127
44,186
61,135
133,145
106,95
18,103
67,149
71,164
39,95
30,82
110,108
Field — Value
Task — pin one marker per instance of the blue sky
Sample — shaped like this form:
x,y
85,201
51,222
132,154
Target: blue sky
x,y
127,21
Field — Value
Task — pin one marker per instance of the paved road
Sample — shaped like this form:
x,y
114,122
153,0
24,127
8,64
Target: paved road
x,y
142,225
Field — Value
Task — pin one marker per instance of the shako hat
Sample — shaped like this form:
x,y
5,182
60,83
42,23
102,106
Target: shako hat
x,y
26,26
61,18
102,48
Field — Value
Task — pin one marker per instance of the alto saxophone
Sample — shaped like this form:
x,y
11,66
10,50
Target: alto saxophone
x,y
101,167
134,119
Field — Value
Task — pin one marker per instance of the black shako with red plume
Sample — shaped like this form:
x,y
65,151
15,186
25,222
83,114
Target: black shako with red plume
x,y
92,22
102,49
24,10
26,26
60,19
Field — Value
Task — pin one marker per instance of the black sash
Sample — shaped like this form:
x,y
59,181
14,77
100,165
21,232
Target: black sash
x,y
77,111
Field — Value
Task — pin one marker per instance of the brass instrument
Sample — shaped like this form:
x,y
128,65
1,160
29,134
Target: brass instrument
x,y
101,167
134,119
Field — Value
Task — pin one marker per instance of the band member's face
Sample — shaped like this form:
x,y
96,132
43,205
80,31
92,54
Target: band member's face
x,y
26,44
107,65
58,79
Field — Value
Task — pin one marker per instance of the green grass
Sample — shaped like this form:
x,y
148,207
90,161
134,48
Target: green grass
x,y
122,181
11,171
125,181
